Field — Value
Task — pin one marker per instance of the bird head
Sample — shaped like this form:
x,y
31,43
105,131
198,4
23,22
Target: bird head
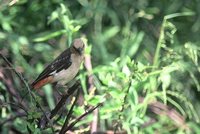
x,y
78,46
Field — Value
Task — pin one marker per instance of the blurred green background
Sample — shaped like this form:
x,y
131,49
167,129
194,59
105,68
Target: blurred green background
x,y
145,56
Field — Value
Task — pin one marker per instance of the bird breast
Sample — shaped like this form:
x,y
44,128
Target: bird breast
x,y
65,76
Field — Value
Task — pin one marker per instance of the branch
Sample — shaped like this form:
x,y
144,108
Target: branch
x,y
13,118
26,85
17,73
71,125
62,131
63,99
160,108
9,86
88,66
60,104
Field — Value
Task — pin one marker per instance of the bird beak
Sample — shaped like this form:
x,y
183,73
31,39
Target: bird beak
x,y
80,50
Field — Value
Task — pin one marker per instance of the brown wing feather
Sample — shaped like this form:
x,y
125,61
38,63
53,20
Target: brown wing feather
x,y
63,61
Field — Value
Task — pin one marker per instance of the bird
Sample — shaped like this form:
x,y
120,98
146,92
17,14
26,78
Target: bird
x,y
64,68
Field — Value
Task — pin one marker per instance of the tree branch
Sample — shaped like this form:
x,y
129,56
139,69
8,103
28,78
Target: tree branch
x,y
62,131
71,125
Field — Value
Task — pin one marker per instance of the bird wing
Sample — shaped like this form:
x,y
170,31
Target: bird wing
x,y
63,61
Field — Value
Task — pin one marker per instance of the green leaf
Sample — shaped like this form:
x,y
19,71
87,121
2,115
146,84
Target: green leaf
x,y
49,95
21,125
49,35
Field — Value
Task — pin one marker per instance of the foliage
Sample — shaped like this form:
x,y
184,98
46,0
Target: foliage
x,y
145,57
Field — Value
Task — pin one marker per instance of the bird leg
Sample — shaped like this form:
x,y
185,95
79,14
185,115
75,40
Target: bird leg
x,y
61,89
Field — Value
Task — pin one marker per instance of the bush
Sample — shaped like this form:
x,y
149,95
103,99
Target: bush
x,y
145,58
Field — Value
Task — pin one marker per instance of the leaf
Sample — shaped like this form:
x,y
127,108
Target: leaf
x,y
165,78
96,99
49,35
109,33
135,44
20,125
49,95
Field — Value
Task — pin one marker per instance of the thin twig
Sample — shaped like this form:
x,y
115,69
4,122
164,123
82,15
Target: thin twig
x,y
71,90
160,108
88,66
63,100
17,73
71,125
26,85
13,93
13,118
9,86
15,105
62,131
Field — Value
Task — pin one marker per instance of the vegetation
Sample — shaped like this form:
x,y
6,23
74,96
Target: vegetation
x,y
145,65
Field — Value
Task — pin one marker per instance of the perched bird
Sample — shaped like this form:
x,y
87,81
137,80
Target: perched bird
x,y
64,68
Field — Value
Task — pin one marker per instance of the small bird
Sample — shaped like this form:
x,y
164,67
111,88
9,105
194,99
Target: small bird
x,y
64,68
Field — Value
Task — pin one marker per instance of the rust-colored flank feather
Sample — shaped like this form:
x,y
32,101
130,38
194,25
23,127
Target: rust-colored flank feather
x,y
42,82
